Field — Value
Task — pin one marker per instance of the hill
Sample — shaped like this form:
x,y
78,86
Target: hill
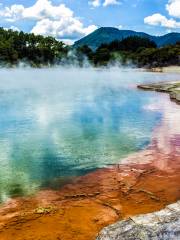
x,y
109,34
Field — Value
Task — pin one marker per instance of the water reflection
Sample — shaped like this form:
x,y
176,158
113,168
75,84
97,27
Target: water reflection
x,y
57,127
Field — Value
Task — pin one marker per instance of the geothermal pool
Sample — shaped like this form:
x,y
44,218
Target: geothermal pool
x,y
56,124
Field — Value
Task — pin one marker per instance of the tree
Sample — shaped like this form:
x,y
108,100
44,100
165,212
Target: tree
x,y
34,49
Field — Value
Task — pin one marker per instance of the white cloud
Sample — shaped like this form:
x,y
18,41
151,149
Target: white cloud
x,y
119,27
69,28
173,8
12,13
14,28
111,2
95,3
158,19
169,30
55,20
40,10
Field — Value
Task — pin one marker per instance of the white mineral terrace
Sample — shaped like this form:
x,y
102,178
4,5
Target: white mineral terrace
x,y
161,225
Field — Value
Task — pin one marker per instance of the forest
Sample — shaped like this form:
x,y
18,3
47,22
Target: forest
x,y
137,51
38,51
35,50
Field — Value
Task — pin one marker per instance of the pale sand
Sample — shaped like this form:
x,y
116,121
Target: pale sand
x,y
170,69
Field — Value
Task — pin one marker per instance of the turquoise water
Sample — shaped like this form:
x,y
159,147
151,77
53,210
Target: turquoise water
x,y
56,124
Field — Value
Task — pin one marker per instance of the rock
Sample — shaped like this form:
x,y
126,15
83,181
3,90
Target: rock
x,y
173,88
162,225
44,210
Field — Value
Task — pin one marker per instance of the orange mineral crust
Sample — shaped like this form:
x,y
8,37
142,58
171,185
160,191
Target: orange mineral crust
x,y
82,208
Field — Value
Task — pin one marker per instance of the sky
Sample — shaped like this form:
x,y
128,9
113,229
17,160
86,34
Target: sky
x,y
70,20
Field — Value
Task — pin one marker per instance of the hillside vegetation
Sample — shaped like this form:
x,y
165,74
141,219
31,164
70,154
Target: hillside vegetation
x,y
139,51
34,50
38,51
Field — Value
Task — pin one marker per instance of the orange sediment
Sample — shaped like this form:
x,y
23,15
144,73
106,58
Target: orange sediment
x,y
80,209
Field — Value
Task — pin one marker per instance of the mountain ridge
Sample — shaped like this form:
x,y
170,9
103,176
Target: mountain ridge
x,y
109,34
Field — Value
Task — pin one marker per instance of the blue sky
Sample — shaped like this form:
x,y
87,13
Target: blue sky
x,y
72,19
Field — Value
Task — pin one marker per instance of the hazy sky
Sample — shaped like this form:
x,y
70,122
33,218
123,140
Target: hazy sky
x,y
73,19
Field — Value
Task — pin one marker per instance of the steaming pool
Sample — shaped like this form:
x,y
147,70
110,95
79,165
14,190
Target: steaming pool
x,y
56,124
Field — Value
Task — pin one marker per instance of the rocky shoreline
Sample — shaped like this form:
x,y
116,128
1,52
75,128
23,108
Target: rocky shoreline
x,y
169,69
172,88
164,225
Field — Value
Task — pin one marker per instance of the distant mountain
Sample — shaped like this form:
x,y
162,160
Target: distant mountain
x,y
109,34
170,38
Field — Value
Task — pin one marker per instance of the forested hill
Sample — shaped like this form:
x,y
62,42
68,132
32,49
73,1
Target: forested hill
x,y
109,34
38,51
33,49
